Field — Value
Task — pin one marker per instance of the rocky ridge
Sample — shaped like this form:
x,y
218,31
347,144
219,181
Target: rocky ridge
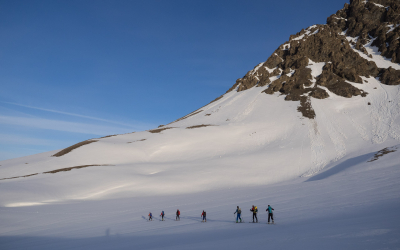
x,y
336,47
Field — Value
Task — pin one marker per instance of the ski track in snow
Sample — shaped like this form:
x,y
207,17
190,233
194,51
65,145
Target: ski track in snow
x,y
384,111
394,131
249,108
235,98
335,133
318,156
217,103
361,130
300,161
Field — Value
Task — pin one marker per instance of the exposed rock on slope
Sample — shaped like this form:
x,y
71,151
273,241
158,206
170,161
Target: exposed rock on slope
x,y
289,69
75,146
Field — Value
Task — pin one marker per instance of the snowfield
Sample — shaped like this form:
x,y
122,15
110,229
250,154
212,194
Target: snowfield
x,y
353,205
333,180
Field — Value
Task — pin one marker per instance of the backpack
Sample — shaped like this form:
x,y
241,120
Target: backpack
x,y
179,212
255,209
239,211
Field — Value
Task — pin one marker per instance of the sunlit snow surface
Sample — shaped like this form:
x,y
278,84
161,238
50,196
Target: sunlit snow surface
x,y
353,206
258,151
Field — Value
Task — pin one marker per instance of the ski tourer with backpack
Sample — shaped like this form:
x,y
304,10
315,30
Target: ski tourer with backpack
x,y
162,215
203,214
270,214
254,209
238,213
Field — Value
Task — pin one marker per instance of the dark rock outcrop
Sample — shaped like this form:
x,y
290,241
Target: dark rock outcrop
x,y
305,108
390,76
319,93
373,21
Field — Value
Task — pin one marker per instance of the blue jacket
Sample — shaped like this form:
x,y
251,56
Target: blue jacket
x,y
270,209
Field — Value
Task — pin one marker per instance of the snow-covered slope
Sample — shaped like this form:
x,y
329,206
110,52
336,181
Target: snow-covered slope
x,y
353,205
260,138
325,161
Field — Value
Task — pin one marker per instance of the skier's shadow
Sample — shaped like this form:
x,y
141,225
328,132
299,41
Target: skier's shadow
x,y
167,218
200,219
146,218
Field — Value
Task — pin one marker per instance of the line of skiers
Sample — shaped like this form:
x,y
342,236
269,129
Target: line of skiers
x,y
254,210
178,213
238,213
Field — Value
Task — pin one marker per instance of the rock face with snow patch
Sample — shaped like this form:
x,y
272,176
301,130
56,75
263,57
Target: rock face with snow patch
x,y
339,45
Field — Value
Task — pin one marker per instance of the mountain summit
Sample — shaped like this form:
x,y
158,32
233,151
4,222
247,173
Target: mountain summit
x,y
356,42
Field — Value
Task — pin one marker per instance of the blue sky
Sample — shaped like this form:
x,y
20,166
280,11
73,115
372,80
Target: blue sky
x,y
74,70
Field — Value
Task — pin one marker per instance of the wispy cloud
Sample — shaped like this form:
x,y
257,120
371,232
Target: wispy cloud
x,y
9,139
5,155
74,127
70,114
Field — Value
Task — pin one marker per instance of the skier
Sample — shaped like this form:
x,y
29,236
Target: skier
x,y
177,214
150,216
254,210
270,214
203,214
162,215
238,212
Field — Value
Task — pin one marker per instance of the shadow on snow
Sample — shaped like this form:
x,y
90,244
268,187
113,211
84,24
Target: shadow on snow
x,y
342,167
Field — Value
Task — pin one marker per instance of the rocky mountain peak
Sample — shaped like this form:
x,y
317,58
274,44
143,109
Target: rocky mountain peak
x,y
332,59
